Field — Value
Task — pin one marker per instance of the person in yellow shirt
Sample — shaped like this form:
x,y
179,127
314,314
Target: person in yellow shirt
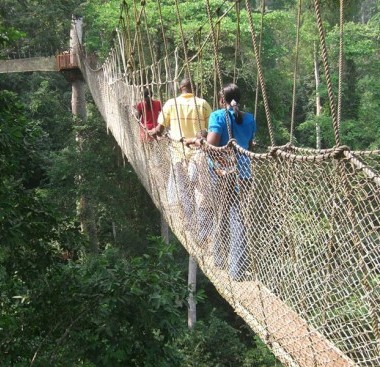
x,y
185,118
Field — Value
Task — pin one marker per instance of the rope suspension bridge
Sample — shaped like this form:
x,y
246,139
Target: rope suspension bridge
x,y
308,227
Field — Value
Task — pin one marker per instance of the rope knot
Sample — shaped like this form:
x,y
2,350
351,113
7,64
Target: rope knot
x,y
339,150
273,150
232,142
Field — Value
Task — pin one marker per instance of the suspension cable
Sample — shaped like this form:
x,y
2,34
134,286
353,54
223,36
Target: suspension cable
x,y
184,45
260,73
295,74
327,71
341,29
260,46
217,66
237,43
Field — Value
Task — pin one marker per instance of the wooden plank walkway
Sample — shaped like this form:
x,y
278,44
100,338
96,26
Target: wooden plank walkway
x,y
293,341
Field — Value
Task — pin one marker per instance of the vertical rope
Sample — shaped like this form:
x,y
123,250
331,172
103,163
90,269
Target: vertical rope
x,y
260,73
126,34
139,45
341,28
154,68
200,62
217,66
237,43
184,45
327,71
166,58
216,77
260,45
295,72
130,42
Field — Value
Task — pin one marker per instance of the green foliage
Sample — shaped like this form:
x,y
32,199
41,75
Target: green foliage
x,y
49,105
25,220
106,310
101,19
35,21
124,213
307,132
213,343
259,356
9,35
109,310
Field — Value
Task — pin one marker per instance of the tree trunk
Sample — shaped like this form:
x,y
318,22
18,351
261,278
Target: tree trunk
x,y
192,285
78,106
318,107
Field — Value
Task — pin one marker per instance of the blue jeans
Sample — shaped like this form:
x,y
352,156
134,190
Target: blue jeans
x,y
231,243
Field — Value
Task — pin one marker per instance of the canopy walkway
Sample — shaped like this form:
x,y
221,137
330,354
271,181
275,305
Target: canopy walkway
x,y
308,220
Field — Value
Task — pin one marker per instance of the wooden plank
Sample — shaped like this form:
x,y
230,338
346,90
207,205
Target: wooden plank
x,y
292,340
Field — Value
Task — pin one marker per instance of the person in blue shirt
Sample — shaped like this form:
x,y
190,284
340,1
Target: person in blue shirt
x,y
232,175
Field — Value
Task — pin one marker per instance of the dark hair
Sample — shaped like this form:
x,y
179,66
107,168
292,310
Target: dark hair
x,y
231,92
186,84
147,98
147,93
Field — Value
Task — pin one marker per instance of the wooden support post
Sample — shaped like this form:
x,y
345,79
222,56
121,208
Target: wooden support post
x,y
192,286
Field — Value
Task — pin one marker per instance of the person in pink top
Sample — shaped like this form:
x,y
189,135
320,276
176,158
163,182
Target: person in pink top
x,y
148,111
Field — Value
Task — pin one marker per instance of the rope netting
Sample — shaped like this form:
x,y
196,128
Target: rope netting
x,y
294,245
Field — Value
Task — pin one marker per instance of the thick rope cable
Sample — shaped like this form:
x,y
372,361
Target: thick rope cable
x,y
166,56
151,49
130,61
295,73
261,76
200,63
184,45
207,38
260,46
327,71
340,79
237,42
216,60
138,38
